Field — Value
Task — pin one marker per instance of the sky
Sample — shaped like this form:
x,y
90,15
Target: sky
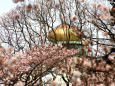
x,y
6,6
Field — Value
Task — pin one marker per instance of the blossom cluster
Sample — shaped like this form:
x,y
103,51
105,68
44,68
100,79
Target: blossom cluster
x,y
47,56
16,1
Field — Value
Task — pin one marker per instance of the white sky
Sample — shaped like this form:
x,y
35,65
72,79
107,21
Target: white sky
x,y
5,6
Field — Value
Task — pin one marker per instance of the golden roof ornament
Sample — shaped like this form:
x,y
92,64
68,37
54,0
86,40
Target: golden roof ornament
x,y
64,33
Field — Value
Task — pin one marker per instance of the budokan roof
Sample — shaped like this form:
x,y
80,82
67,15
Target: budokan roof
x,y
64,33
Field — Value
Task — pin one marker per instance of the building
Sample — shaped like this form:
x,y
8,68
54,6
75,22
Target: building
x,y
69,36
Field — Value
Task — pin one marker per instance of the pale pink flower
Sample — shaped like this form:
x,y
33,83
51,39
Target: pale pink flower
x,y
112,19
94,4
15,1
87,63
57,5
99,6
53,83
108,67
93,21
105,9
102,7
76,74
16,16
19,83
78,81
28,7
35,6
111,58
112,84
10,61
105,33
73,18
84,21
